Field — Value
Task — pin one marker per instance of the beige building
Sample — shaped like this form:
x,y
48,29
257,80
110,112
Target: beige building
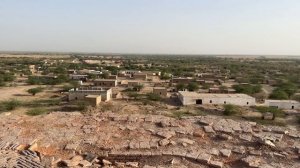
x,y
93,100
106,82
283,104
189,98
32,69
81,93
141,76
162,91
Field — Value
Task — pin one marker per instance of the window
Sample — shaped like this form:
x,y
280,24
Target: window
x,y
210,101
293,107
247,103
224,102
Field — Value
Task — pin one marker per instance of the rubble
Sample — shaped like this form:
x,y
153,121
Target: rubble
x,y
125,140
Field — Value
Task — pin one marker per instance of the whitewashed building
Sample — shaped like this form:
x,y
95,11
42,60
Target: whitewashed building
x,y
190,98
82,93
283,104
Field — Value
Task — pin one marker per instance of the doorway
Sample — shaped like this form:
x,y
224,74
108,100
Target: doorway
x,y
199,101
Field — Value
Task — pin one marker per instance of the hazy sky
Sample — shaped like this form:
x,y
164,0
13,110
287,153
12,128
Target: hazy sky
x,y
151,26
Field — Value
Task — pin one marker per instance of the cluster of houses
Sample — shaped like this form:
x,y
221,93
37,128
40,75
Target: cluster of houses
x,y
218,90
100,90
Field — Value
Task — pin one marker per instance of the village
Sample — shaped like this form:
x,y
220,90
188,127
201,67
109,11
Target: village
x,y
85,110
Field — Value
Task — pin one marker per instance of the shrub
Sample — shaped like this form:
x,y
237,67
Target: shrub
x,y
82,105
192,86
153,97
231,110
9,105
133,95
276,112
279,95
34,91
36,111
180,86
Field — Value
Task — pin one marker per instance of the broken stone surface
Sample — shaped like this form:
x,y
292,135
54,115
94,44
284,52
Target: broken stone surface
x,y
208,129
204,158
216,164
164,142
252,161
187,141
239,149
132,164
166,134
225,152
245,137
214,151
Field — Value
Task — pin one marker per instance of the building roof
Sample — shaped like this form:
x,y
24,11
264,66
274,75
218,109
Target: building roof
x,y
92,96
105,80
281,101
213,95
159,88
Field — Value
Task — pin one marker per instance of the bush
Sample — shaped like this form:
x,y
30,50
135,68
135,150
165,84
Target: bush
x,y
279,95
247,89
180,86
36,111
231,110
9,105
153,97
34,91
276,112
192,86
133,95
82,105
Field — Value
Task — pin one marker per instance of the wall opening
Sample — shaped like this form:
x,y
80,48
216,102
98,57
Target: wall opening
x,y
210,101
199,101
293,107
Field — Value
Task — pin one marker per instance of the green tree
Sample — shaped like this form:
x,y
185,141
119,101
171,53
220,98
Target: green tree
x,y
138,87
180,86
34,91
153,97
279,95
231,110
192,86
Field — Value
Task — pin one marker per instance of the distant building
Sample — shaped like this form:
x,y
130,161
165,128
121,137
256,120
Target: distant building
x,y
78,77
283,104
106,82
162,91
133,83
141,76
189,98
181,80
82,93
32,69
93,100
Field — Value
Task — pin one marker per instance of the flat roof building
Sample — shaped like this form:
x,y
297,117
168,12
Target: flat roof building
x,y
83,92
190,98
106,82
161,91
283,104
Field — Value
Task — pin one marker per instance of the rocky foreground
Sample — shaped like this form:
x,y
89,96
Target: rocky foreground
x,y
113,140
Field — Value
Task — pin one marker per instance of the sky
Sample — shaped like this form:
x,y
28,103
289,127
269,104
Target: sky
x,y
265,27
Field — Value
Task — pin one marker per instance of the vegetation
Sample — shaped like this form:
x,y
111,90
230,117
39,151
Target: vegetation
x,y
35,91
231,110
192,86
276,112
180,86
9,105
153,97
138,87
247,88
36,111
